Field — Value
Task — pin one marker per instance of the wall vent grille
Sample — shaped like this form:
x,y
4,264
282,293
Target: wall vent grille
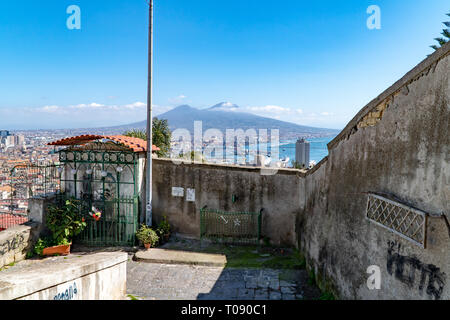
x,y
405,221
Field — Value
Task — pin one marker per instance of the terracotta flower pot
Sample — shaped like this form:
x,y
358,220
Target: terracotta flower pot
x,y
147,246
63,250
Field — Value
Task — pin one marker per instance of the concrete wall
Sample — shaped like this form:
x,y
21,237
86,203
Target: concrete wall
x,y
215,186
399,145
99,276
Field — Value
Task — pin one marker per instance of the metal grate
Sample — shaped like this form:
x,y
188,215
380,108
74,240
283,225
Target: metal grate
x,y
405,221
230,227
117,226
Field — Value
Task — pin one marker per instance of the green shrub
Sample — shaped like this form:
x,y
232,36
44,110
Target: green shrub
x,y
147,235
65,222
164,226
163,229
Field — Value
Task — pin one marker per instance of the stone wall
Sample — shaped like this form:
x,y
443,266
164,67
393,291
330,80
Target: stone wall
x,y
398,145
216,186
15,242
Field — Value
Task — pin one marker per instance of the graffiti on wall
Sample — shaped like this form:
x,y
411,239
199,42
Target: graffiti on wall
x,y
414,273
67,292
12,244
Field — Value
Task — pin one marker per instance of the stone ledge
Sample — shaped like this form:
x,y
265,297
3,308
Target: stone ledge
x,y
40,275
181,257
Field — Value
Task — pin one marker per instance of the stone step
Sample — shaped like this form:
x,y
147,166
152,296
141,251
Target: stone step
x,y
164,256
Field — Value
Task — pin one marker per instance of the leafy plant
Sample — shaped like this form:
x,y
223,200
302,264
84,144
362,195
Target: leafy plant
x,y
164,227
41,244
161,136
446,36
163,230
65,222
147,235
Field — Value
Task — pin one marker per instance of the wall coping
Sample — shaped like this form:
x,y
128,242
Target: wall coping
x,y
14,230
397,86
41,275
283,171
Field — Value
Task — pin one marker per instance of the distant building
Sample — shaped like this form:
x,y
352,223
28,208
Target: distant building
x,y
4,133
10,141
302,152
19,140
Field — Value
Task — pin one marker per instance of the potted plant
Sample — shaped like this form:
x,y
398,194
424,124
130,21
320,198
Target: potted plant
x,y
164,230
64,222
147,236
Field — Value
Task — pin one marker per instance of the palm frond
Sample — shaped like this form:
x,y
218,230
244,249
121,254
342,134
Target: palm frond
x,y
446,33
441,41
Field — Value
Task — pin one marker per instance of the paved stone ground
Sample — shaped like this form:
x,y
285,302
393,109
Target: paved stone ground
x,y
183,282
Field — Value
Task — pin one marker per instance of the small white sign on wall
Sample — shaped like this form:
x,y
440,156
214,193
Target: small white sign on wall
x,y
178,192
190,195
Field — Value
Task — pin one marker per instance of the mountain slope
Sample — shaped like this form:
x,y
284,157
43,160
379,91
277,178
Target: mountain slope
x,y
183,117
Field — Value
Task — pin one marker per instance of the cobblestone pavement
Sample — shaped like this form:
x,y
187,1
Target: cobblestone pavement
x,y
184,282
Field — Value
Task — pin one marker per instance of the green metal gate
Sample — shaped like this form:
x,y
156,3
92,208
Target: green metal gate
x,y
230,227
118,224
103,176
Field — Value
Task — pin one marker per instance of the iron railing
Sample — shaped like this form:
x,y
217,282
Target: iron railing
x,y
26,182
230,227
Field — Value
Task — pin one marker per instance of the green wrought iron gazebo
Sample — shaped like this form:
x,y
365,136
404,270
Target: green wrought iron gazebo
x,y
104,173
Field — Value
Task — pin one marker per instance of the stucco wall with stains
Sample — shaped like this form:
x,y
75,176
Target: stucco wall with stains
x,y
398,145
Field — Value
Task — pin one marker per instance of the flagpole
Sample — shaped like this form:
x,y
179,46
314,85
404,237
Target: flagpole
x,y
148,215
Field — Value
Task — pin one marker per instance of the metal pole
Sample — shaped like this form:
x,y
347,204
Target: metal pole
x,y
148,215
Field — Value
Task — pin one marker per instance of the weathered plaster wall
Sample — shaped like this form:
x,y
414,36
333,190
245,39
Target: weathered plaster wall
x,y
215,186
14,244
399,144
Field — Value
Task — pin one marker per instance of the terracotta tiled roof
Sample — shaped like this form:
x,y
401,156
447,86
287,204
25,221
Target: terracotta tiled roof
x,y
9,220
135,144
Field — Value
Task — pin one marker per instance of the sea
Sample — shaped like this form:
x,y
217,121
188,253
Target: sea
x,y
286,150
319,149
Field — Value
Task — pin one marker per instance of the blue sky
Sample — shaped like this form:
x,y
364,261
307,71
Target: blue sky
x,y
310,62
